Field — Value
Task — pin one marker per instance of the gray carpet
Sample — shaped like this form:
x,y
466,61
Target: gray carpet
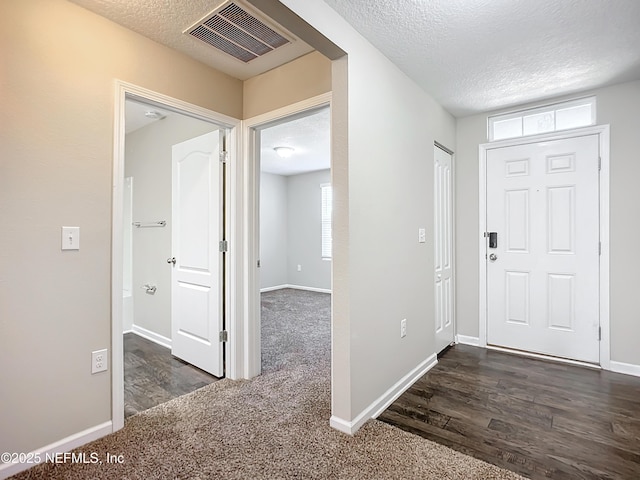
x,y
272,427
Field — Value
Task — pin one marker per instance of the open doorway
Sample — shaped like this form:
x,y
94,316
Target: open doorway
x,y
295,238
173,211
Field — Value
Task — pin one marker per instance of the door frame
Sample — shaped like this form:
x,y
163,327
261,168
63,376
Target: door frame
x,y
604,144
123,91
251,214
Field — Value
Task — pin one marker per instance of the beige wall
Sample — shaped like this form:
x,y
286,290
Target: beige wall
x,y
617,106
57,76
293,82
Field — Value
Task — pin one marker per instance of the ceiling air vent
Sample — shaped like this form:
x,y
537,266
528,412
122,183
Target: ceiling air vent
x,y
235,31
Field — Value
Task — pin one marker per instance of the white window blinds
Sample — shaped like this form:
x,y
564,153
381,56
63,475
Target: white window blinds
x,y
327,206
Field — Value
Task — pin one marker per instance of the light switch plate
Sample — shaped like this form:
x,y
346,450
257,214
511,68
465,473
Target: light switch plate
x,y
70,238
422,235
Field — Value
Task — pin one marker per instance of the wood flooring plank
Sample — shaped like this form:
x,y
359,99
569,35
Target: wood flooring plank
x,y
538,418
153,376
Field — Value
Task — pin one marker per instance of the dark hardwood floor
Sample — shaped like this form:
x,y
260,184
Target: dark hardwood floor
x,y
153,376
538,418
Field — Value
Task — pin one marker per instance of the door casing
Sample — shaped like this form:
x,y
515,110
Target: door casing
x,y
251,215
233,350
603,134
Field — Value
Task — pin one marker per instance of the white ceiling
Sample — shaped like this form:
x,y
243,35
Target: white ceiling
x,y
164,21
470,55
310,138
479,55
135,117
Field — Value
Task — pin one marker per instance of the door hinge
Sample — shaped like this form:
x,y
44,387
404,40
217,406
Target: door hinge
x,y
224,336
485,234
223,157
599,163
599,333
258,263
599,248
224,246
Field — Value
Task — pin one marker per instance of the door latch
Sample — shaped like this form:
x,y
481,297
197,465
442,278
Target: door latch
x,y
493,239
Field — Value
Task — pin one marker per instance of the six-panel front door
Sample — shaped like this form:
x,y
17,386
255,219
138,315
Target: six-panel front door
x,y
196,280
542,274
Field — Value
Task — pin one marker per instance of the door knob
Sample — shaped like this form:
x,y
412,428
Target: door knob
x,y
171,260
493,257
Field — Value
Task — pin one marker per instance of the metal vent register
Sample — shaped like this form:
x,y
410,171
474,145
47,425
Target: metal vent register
x,y
238,33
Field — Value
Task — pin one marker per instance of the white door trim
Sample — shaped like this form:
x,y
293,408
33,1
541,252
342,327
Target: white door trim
x,y
249,197
124,90
603,132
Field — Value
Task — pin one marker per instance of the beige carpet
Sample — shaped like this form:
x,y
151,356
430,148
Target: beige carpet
x,y
275,426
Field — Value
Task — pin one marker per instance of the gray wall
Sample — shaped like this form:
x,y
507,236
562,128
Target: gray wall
x,y
273,230
383,130
304,231
617,106
290,228
148,161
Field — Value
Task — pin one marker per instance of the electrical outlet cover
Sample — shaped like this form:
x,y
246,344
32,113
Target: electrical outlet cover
x,y
99,361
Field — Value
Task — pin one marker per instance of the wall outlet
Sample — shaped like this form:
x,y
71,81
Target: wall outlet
x,y
403,328
422,235
299,268
99,361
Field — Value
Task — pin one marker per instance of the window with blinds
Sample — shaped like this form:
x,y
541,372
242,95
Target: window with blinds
x,y
327,206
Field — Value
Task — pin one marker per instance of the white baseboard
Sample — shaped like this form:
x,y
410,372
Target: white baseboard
x,y
310,289
295,287
271,289
65,445
626,368
386,399
466,340
153,336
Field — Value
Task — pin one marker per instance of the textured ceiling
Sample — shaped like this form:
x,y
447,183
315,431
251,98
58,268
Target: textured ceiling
x,y
164,21
470,55
479,55
310,138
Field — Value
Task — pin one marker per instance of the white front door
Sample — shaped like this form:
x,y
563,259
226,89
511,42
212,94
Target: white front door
x,y
196,279
543,269
443,247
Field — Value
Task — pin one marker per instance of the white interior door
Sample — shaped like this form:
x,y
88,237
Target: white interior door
x,y
443,245
196,279
542,276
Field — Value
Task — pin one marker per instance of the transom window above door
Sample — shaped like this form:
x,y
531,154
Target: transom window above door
x,y
549,118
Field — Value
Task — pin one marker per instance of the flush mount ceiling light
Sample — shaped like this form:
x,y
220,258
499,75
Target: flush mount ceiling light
x,y
153,114
284,152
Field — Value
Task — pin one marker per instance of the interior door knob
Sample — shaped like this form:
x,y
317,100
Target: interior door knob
x,y
171,260
493,257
